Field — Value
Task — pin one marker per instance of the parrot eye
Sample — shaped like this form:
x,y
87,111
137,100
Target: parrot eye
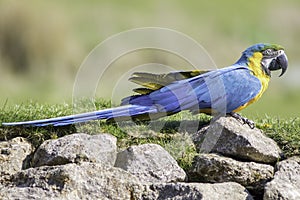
x,y
270,53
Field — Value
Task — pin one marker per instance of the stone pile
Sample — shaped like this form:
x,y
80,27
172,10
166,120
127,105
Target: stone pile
x,y
234,162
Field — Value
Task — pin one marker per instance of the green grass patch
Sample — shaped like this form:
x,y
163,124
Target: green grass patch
x,y
286,132
170,132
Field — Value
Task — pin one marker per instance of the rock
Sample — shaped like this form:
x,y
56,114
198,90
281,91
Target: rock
x,y
14,155
192,191
150,163
217,169
228,136
96,181
77,148
286,182
73,181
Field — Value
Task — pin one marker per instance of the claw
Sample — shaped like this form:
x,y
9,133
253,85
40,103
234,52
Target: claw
x,y
242,119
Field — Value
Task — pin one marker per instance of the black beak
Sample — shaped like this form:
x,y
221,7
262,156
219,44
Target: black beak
x,y
281,62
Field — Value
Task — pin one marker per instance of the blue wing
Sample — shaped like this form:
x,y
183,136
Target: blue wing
x,y
231,87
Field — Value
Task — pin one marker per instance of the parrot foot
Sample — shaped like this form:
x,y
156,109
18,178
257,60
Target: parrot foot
x,y
242,119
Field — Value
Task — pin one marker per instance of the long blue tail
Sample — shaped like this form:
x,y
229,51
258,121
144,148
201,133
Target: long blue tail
x,y
122,111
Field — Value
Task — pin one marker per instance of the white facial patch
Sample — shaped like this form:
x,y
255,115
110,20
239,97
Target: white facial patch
x,y
266,62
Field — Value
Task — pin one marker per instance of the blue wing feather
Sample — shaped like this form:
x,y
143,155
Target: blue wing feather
x,y
235,85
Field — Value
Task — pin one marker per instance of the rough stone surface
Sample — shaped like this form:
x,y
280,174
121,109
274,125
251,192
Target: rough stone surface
x,y
192,191
286,182
230,137
82,166
14,155
72,181
217,169
150,163
77,148
95,181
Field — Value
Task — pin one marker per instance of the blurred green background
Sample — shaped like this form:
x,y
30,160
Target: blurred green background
x,y
43,43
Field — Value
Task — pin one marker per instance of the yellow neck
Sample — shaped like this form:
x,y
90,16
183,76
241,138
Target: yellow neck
x,y
254,65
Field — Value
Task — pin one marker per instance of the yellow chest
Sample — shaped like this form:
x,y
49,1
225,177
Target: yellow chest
x,y
256,70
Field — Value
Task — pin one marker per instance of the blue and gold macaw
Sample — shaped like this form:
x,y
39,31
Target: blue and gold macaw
x,y
226,90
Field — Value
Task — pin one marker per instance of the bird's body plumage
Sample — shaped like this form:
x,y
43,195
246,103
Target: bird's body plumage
x,y
194,93
224,90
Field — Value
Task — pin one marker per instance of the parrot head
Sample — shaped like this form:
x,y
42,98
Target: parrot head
x,y
272,57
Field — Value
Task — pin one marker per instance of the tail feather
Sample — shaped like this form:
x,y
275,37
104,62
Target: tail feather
x,y
123,111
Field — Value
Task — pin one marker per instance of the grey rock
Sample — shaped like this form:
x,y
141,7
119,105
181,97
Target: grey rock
x,y
216,169
14,155
73,181
78,147
230,137
286,182
192,191
150,163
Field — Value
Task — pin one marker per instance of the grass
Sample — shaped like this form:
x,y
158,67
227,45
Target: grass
x,y
170,132
286,132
